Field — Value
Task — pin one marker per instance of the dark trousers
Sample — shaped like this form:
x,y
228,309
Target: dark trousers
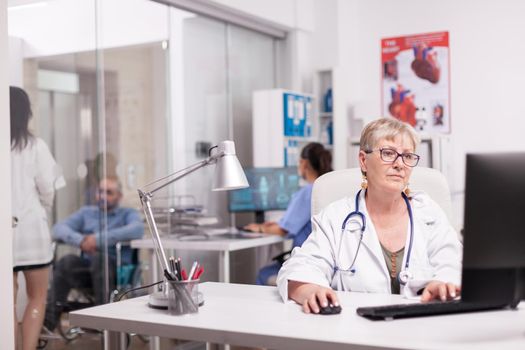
x,y
266,272
73,271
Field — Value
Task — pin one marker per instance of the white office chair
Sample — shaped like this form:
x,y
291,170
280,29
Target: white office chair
x,y
341,183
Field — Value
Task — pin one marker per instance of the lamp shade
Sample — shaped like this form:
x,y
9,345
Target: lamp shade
x,y
228,171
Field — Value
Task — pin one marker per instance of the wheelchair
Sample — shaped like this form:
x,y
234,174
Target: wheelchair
x,y
127,276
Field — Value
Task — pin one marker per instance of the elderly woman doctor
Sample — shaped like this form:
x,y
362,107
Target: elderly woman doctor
x,y
384,239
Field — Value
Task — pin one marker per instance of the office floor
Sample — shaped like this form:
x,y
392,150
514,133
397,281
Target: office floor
x,y
90,341
93,341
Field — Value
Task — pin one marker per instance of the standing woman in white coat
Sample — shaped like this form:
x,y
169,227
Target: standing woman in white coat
x,y
384,239
34,176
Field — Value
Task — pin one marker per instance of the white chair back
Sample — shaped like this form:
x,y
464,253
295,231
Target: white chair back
x,y
342,183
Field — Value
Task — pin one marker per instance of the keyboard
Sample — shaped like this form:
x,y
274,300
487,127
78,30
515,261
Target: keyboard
x,y
389,312
239,235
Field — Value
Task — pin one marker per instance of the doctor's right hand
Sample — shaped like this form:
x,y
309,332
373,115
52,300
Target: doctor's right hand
x,y
437,290
311,296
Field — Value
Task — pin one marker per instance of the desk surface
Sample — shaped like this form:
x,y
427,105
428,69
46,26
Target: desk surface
x,y
215,243
255,316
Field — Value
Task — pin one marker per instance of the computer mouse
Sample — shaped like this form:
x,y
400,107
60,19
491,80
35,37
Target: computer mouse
x,y
330,310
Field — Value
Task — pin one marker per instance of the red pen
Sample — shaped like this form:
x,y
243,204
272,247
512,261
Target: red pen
x,y
198,273
184,274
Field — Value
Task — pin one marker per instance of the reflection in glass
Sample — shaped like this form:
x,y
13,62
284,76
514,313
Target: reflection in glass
x,y
136,103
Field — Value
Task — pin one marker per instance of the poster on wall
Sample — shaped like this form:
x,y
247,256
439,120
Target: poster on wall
x,y
415,81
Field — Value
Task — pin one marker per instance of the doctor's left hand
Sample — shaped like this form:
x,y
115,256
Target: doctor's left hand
x,y
440,291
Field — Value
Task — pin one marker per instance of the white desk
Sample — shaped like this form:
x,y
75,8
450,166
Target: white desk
x,y
223,246
254,316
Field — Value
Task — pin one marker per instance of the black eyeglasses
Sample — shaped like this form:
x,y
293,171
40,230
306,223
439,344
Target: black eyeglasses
x,y
390,155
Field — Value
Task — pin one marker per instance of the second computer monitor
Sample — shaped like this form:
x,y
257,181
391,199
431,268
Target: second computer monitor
x,y
494,243
270,189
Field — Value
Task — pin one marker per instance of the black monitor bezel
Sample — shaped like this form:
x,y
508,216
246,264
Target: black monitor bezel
x,y
493,269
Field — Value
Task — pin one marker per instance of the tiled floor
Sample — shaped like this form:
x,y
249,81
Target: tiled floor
x,y
91,341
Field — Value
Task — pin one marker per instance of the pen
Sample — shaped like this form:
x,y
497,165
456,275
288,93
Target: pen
x,y
184,275
193,269
172,265
169,276
178,266
198,273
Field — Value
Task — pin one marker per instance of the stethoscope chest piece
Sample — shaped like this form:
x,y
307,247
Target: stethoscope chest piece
x,y
405,276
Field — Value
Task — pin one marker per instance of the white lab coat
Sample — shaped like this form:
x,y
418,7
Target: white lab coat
x,y
34,178
436,251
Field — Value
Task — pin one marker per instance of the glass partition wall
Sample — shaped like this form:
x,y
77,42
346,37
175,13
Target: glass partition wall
x,y
136,90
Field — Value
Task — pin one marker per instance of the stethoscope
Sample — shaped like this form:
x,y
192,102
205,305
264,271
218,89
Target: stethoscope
x,y
404,275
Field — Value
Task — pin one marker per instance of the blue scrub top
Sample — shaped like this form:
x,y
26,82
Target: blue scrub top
x,y
296,219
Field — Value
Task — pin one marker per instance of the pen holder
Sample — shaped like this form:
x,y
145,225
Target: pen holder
x,y
183,297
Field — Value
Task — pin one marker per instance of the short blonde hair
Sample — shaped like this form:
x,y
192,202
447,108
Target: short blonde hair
x,y
386,128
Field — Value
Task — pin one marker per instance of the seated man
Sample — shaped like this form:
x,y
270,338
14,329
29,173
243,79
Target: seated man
x,y
84,229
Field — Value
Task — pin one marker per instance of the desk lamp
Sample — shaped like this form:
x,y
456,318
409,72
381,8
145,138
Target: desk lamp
x,y
228,176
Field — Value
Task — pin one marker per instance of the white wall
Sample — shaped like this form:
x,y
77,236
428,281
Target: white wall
x,y
299,15
16,71
6,255
487,53
324,35
290,13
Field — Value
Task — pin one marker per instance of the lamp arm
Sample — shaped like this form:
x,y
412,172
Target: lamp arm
x,y
145,200
183,173
146,197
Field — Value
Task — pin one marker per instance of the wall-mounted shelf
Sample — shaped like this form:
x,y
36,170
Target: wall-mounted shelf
x,y
323,90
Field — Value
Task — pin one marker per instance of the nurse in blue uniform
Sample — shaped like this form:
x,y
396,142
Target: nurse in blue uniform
x,y
315,161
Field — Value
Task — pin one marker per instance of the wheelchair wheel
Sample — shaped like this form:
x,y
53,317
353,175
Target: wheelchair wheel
x,y
42,343
70,333
144,338
67,332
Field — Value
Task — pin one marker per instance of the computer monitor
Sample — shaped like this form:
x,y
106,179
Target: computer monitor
x,y
270,189
494,229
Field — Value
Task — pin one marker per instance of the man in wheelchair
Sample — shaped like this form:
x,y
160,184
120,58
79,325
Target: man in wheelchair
x,y
84,229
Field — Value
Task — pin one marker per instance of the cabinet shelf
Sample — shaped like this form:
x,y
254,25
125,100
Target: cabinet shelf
x,y
323,86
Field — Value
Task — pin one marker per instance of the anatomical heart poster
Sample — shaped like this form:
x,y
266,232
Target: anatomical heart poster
x,y
415,81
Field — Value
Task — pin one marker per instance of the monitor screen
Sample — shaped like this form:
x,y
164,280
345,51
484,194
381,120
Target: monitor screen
x,y
494,228
270,189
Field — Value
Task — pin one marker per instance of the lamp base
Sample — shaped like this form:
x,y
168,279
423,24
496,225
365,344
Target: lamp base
x,y
158,300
